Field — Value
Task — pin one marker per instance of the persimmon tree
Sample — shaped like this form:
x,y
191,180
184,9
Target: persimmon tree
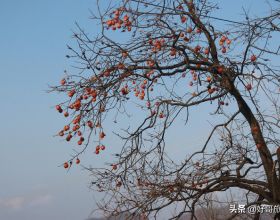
x,y
173,57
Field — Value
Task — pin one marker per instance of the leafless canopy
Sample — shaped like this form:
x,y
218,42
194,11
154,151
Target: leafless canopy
x,y
160,46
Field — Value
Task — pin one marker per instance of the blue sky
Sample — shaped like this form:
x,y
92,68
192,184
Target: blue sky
x,y
33,42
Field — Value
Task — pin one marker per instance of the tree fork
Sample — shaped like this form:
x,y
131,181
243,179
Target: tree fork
x,y
256,132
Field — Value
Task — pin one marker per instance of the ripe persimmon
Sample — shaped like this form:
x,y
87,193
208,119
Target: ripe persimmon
x,y
90,124
183,19
66,165
62,82
66,127
126,18
109,23
223,38
186,39
253,58
68,138
58,108
78,161
220,69
71,93
198,31
249,86
102,135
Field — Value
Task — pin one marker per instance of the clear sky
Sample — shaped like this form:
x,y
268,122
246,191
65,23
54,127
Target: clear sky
x,y
33,39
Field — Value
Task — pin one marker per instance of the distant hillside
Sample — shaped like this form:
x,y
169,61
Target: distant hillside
x,y
221,214
120,217
201,214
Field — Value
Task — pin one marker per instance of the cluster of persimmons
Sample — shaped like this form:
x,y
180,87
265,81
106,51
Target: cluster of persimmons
x,y
81,98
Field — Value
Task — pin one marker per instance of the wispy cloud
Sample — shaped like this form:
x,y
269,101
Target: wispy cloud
x,y
12,203
41,200
19,202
